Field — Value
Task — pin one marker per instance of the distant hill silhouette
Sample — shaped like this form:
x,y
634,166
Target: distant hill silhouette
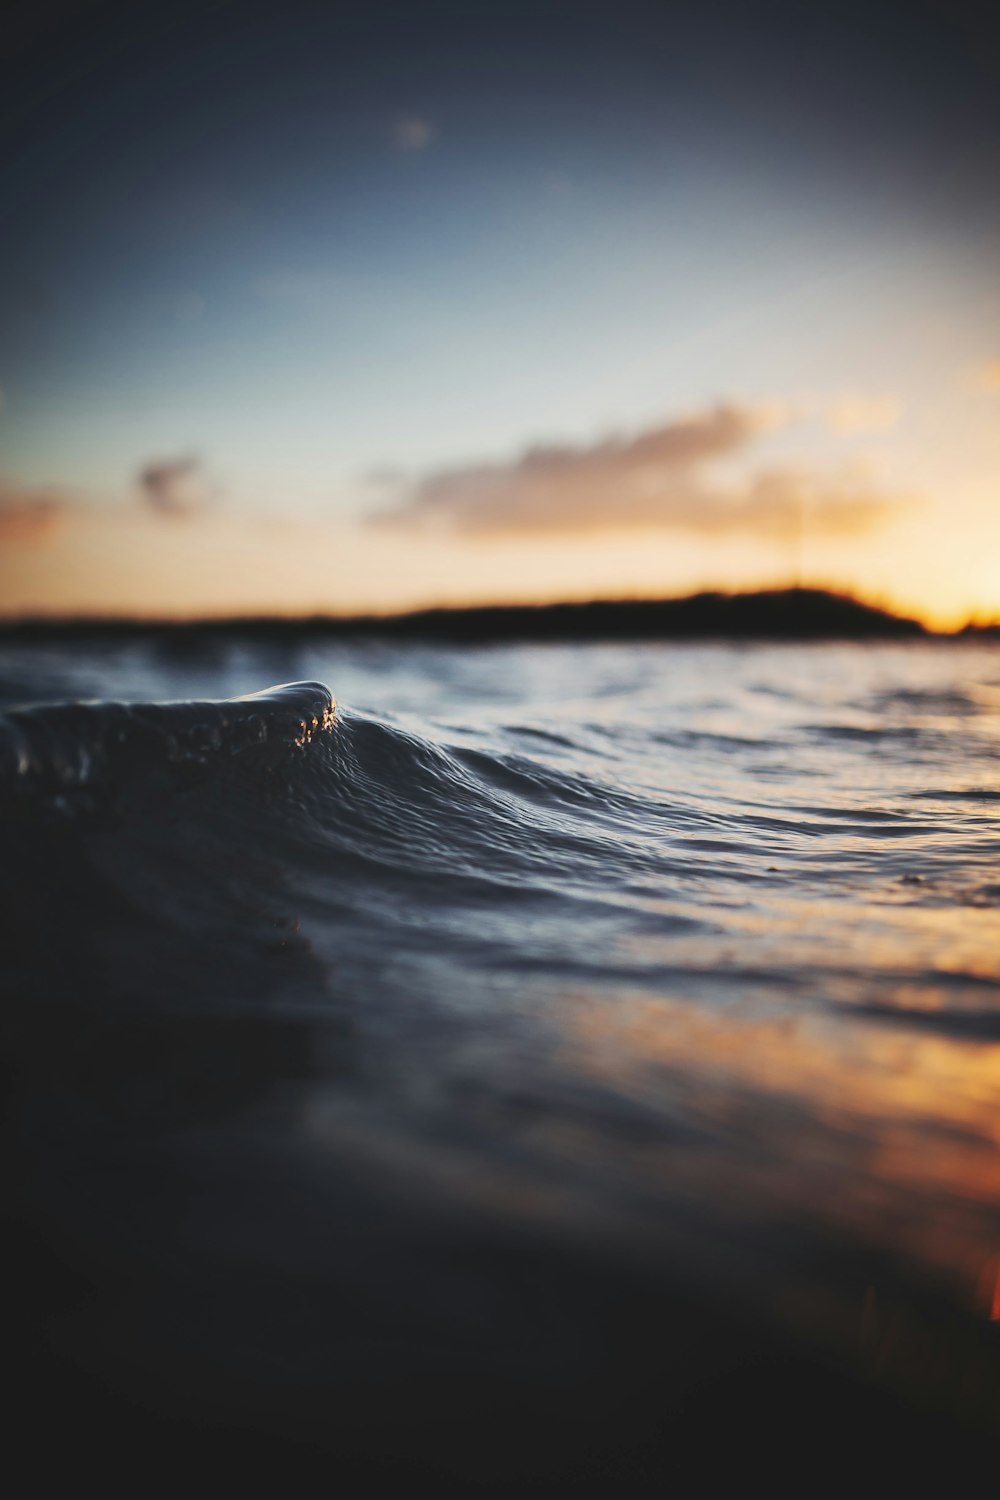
x,y
987,632
777,614
797,614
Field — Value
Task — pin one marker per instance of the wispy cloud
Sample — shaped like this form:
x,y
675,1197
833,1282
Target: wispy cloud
x,y
859,413
777,501
29,515
177,487
412,133
660,479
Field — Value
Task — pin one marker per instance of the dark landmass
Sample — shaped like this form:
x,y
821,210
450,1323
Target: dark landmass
x,y
988,632
797,614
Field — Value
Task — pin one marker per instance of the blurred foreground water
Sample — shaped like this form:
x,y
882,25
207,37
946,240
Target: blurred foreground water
x,y
556,1067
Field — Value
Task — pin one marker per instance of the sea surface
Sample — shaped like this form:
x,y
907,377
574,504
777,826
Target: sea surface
x,y
522,1068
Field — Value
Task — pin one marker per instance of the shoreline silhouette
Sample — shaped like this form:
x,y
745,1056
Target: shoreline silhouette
x,y
792,614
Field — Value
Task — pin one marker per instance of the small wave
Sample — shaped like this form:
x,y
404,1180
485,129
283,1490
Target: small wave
x,y
698,738
66,745
949,703
866,734
545,736
968,794
983,895
956,1025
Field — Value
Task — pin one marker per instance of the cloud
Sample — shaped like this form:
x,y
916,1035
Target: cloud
x,y
856,413
659,479
176,487
30,515
411,133
777,502
640,481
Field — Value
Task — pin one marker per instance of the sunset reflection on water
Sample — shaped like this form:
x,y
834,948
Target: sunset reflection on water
x,y
855,1134
609,1019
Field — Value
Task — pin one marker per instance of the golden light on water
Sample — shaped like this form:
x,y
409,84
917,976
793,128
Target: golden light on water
x,y
874,1139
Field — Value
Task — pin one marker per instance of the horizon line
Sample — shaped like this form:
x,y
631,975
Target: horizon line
x,y
867,611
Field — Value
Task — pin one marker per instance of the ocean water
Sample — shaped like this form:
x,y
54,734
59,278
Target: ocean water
x,y
523,1068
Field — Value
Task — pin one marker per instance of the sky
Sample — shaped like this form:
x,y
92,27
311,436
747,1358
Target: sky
x,y
315,308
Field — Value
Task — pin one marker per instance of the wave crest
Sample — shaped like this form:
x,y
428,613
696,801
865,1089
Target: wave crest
x,y
65,745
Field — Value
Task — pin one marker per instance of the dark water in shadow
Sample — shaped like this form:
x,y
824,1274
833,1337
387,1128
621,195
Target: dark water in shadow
x,y
556,1069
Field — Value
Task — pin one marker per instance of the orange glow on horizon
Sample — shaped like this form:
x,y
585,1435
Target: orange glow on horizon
x,y
114,561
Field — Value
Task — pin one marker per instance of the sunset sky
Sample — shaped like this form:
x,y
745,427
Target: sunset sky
x,y
306,307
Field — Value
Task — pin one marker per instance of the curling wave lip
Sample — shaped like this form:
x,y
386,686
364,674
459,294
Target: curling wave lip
x,y
65,745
